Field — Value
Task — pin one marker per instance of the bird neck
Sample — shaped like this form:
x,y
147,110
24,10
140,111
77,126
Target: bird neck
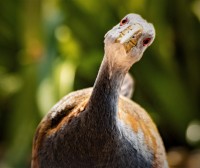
x,y
104,99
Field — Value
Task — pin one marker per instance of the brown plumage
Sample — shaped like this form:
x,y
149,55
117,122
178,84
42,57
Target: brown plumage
x,y
98,127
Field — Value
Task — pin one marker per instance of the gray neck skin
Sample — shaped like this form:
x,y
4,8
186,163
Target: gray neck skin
x,y
102,107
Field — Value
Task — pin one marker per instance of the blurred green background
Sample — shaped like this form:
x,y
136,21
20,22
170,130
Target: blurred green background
x,y
51,47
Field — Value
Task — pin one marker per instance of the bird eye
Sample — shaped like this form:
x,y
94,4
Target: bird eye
x,y
146,41
123,21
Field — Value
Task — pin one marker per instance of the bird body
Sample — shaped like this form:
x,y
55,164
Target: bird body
x,y
98,127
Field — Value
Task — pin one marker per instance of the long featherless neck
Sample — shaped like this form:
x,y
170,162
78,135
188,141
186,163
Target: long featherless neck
x,y
104,99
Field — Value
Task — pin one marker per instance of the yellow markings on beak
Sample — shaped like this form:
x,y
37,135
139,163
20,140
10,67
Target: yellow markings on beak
x,y
132,41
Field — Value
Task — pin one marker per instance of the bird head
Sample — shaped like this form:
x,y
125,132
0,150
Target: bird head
x,y
133,33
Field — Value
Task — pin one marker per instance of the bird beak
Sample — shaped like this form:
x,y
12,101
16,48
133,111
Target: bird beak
x,y
130,36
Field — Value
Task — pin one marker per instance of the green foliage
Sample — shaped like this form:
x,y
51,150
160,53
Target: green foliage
x,y
49,48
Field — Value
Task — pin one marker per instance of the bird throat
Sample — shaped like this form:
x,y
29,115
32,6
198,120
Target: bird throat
x,y
103,102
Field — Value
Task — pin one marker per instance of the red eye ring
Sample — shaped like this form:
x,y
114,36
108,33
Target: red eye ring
x,y
146,41
123,21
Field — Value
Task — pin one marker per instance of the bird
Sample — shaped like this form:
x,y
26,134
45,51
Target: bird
x,y
101,127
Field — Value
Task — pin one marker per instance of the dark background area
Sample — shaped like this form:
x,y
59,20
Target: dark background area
x,y
51,47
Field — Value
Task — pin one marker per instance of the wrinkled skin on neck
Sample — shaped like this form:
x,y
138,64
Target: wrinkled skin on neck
x,y
117,58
